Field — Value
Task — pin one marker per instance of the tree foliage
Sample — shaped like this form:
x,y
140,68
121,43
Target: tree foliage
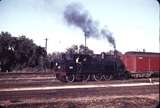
x,y
74,49
18,52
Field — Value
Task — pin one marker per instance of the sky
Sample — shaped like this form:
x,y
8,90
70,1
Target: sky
x,y
134,24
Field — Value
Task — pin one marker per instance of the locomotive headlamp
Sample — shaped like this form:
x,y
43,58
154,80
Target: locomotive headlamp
x,y
59,67
78,60
70,67
56,64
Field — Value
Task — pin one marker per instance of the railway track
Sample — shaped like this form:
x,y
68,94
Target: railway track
x,y
43,89
48,79
25,74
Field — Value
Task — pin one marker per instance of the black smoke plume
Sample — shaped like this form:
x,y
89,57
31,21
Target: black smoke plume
x,y
76,15
107,34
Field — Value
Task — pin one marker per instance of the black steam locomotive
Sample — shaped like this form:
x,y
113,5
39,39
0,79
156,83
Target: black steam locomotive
x,y
81,67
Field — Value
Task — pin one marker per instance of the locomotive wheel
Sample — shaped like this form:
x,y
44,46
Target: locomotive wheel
x,y
85,78
107,77
70,78
98,77
147,75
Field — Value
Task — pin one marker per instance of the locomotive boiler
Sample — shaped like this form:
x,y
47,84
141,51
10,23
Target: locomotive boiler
x,y
82,67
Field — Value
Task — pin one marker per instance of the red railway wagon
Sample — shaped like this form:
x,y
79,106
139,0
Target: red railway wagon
x,y
142,64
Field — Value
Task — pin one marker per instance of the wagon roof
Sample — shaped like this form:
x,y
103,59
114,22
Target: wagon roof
x,y
142,53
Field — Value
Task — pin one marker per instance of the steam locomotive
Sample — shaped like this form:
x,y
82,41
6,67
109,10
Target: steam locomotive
x,y
82,67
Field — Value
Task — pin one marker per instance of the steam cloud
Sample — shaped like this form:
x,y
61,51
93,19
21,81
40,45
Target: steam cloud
x,y
77,16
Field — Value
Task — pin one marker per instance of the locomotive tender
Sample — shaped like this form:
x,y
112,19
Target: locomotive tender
x,y
82,67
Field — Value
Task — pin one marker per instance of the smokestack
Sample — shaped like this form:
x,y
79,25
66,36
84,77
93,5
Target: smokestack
x,y
85,43
46,44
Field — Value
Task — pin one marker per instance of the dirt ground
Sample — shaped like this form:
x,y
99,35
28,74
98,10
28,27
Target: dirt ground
x,y
138,101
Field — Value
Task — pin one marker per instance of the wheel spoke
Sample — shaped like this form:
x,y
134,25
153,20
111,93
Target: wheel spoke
x,y
107,77
97,77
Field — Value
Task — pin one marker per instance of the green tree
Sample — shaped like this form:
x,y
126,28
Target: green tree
x,y
7,49
85,50
74,49
24,50
19,52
